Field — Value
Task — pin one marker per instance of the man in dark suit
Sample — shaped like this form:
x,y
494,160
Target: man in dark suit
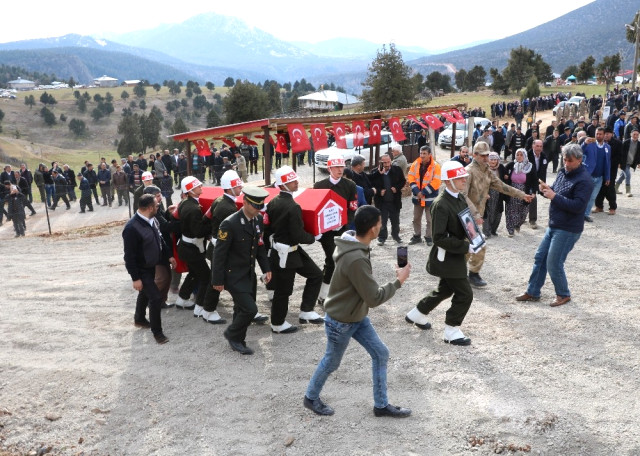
x,y
144,249
538,159
239,245
388,181
608,191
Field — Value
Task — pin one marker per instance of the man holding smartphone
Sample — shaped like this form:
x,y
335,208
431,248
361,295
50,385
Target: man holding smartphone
x,y
352,292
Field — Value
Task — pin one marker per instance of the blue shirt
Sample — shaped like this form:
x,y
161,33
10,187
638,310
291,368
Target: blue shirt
x,y
597,159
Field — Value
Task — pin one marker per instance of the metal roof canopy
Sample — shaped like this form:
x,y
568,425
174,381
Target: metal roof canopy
x,y
265,126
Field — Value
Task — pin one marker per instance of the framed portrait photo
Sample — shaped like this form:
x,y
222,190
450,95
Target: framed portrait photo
x,y
474,234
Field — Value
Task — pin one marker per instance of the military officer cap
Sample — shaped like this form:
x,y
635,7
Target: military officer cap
x,y
255,196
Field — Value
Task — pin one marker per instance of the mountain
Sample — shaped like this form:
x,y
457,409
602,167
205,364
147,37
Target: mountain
x,y
359,49
595,29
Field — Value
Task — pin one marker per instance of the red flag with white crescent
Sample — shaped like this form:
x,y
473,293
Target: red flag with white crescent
x,y
396,129
340,130
202,146
299,139
281,146
433,121
459,117
415,119
319,136
375,126
245,140
358,128
448,116
273,143
228,142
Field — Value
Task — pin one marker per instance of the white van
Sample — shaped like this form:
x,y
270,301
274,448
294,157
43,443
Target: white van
x,y
386,143
444,139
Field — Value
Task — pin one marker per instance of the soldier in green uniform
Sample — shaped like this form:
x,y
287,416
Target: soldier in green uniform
x,y
240,244
447,258
347,189
191,246
284,230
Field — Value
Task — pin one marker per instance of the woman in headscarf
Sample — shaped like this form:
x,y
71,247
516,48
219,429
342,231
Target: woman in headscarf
x,y
518,174
494,207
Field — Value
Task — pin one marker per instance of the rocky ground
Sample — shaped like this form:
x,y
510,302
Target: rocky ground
x,y
76,377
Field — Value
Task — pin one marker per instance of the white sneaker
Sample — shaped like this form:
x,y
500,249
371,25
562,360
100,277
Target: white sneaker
x,y
197,311
310,317
284,328
184,303
454,336
415,317
212,317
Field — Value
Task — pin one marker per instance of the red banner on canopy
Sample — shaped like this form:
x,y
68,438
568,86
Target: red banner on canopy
x,y
202,146
281,147
396,129
299,138
415,119
375,126
433,121
319,136
358,128
448,116
247,141
340,131
459,117
228,142
273,143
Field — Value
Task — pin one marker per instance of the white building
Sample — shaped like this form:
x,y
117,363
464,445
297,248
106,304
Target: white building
x,y
105,81
21,84
328,100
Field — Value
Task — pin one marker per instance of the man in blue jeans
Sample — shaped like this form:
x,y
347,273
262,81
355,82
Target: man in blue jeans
x,y
597,160
352,291
568,197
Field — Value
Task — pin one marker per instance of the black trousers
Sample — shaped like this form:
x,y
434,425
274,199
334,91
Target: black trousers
x,y
460,302
57,198
391,212
94,190
533,211
199,273
244,309
608,192
85,201
150,296
328,246
282,281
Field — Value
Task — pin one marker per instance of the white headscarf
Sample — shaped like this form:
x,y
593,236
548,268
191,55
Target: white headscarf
x,y
524,166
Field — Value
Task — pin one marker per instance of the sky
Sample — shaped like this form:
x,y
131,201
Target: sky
x,y
408,24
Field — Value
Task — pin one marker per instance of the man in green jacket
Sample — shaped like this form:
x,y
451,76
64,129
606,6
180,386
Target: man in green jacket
x,y
447,258
352,291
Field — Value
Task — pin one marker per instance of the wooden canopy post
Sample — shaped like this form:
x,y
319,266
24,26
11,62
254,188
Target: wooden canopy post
x,y
267,156
187,144
453,139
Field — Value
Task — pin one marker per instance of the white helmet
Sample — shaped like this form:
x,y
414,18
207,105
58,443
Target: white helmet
x,y
285,175
335,159
146,176
230,179
452,170
189,183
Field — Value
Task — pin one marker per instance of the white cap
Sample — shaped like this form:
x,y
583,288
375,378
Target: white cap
x,y
285,175
146,176
230,179
335,160
189,183
452,170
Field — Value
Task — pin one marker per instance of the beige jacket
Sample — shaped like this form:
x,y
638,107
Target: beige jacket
x,y
480,180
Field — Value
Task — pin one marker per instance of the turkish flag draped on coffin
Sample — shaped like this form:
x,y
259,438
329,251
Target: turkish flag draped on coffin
x,y
433,121
299,138
375,126
202,146
396,129
281,147
339,132
357,126
319,136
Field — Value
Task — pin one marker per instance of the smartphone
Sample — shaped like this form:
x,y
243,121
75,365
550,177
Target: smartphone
x,y
403,256
380,167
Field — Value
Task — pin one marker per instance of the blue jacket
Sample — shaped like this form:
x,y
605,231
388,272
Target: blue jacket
x,y
590,158
573,190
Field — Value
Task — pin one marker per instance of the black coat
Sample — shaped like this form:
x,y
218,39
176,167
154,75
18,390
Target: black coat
x,y
530,185
397,180
625,152
361,179
539,172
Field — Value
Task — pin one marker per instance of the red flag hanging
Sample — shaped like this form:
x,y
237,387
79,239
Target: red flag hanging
x,y
319,136
433,121
357,126
299,139
459,117
245,140
415,119
228,142
375,126
340,131
448,116
396,129
281,147
273,143
202,146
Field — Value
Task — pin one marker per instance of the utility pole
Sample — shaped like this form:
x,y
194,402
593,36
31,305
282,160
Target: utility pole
x,y
634,28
